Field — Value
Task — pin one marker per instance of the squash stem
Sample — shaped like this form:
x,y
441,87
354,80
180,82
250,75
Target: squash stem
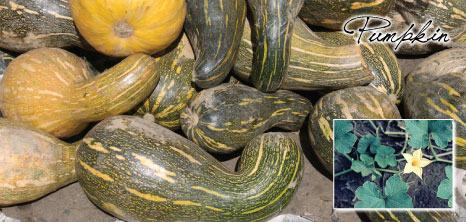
x,y
444,154
373,124
405,145
394,133
342,172
388,171
348,157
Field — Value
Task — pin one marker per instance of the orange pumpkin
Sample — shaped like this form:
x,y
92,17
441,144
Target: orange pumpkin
x,y
121,27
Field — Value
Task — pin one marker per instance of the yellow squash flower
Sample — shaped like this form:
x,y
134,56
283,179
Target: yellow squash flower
x,y
415,162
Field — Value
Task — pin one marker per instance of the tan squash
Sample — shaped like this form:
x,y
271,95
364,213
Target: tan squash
x,y
55,91
121,28
33,163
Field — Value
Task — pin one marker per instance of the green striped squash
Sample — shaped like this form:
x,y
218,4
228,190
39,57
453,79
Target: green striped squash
x,y
332,14
225,118
449,15
381,62
214,29
26,25
273,28
137,170
411,216
33,163
444,76
360,102
54,90
174,89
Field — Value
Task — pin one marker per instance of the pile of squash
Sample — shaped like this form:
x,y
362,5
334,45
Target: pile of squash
x,y
131,98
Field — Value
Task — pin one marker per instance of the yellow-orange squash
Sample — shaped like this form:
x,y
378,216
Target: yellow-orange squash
x,y
54,90
121,27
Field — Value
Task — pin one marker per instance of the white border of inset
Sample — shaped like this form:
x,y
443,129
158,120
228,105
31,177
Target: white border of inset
x,y
452,209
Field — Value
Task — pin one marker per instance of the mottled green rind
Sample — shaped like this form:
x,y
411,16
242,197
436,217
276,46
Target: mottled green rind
x,y
351,103
411,216
115,179
26,25
273,28
332,14
225,118
315,63
174,89
214,29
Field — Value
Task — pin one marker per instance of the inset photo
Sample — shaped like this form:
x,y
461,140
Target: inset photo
x,y
393,164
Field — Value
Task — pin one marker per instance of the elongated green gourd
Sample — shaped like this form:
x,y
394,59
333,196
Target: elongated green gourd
x,y
54,90
225,118
436,90
33,163
333,13
411,216
137,170
360,102
273,28
449,15
215,29
330,60
174,89
26,25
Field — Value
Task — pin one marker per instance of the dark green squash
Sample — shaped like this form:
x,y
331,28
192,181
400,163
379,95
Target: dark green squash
x,y
436,90
214,29
411,216
26,25
225,118
333,13
273,28
137,170
174,89
33,163
360,102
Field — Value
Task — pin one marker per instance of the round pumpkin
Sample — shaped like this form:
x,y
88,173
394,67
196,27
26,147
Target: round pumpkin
x,y
121,28
360,102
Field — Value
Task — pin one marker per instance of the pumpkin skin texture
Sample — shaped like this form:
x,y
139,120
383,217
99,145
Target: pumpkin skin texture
x,y
332,14
436,91
26,25
273,28
55,91
137,170
121,28
360,102
225,118
34,163
174,89
215,29
411,216
449,15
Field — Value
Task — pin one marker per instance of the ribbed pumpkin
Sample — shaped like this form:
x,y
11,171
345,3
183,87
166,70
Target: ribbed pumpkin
x,y
26,25
273,28
333,13
137,170
121,28
449,15
54,90
330,60
360,102
215,29
33,163
411,216
174,89
436,90
225,118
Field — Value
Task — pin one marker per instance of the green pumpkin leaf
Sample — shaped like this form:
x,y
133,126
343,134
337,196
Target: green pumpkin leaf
x,y
445,188
395,192
344,141
368,140
369,196
365,166
385,156
418,131
441,131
